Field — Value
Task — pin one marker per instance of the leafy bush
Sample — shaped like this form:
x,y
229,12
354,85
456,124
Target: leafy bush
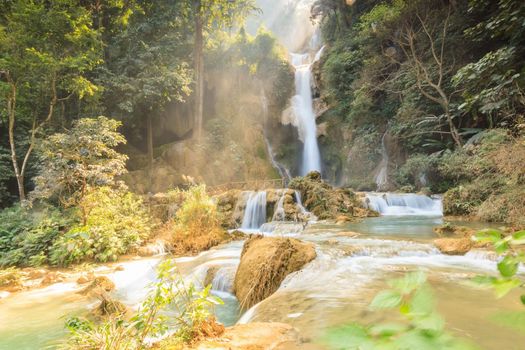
x,y
414,168
466,200
116,223
27,236
197,224
170,292
507,207
81,158
423,327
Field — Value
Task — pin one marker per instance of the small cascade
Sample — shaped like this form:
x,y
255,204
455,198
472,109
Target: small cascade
x,y
283,171
304,213
255,212
382,175
279,214
404,204
224,278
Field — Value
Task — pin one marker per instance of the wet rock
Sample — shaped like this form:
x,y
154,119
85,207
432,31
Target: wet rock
x,y
52,278
34,274
226,205
254,336
454,246
86,277
152,248
110,307
10,280
119,268
265,262
448,230
99,286
327,202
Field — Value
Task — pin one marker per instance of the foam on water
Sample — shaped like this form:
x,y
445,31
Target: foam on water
x,y
400,204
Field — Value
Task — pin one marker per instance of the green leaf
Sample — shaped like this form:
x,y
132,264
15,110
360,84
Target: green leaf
x,y
508,266
422,302
501,247
386,330
347,337
518,238
522,298
488,235
409,282
504,286
386,299
432,322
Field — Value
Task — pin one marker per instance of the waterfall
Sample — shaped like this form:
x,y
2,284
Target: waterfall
x,y
279,213
255,212
302,103
382,174
404,204
303,108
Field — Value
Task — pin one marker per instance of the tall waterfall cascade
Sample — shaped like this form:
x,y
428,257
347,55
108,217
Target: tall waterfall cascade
x,y
404,204
255,212
302,104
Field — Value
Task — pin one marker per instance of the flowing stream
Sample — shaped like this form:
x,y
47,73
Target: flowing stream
x,y
333,289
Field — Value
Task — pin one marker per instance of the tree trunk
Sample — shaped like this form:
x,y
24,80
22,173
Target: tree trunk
x,y
199,71
11,107
149,136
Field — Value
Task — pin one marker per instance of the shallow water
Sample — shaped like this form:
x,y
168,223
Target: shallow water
x,y
333,289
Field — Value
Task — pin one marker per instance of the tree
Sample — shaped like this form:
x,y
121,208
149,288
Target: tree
x,y
419,36
47,49
145,69
208,15
80,159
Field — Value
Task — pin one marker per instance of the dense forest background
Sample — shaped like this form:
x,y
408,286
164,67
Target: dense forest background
x,y
437,86
441,85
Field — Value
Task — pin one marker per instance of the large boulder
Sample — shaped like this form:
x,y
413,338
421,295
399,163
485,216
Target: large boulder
x,y
265,262
454,246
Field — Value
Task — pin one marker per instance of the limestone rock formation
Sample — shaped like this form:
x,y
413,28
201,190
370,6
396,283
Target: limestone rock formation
x,y
265,262
327,202
454,246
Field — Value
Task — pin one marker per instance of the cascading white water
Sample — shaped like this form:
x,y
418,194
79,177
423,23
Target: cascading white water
x,y
302,104
404,204
279,213
255,212
382,175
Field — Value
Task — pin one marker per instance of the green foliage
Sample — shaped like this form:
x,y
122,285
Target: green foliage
x,y
26,236
510,248
423,327
171,303
147,65
116,222
81,158
491,86
197,224
414,168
